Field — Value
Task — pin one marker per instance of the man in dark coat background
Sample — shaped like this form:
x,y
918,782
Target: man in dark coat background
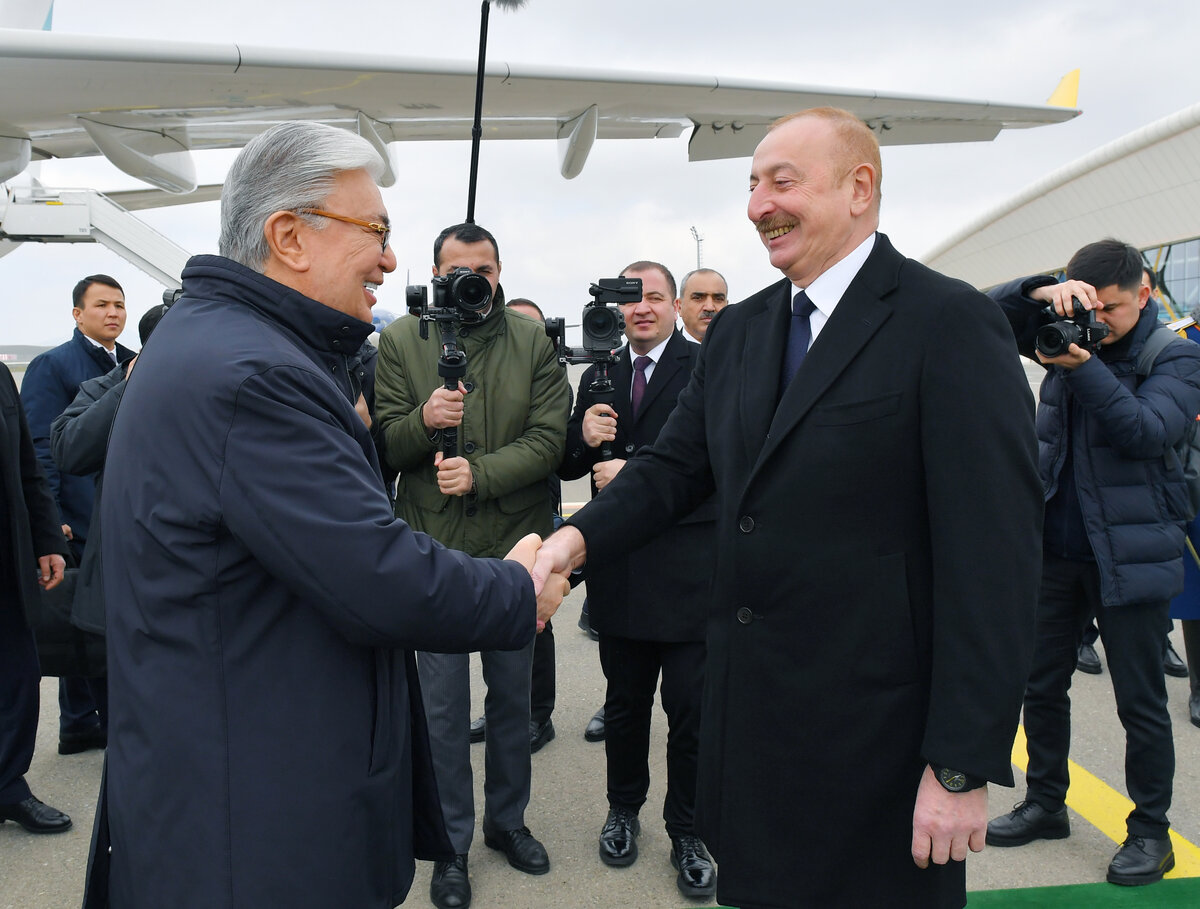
x,y
877,492
50,385
644,607
31,541
268,745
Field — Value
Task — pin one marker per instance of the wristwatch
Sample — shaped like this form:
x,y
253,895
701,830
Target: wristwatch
x,y
956,780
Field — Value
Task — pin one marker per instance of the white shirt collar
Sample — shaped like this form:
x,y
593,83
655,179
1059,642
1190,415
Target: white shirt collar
x,y
831,284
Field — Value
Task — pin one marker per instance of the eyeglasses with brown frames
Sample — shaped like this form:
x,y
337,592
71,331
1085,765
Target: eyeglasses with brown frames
x,y
383,230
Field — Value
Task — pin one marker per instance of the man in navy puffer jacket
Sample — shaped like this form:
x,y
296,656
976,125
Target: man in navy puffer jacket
x,y
1116,506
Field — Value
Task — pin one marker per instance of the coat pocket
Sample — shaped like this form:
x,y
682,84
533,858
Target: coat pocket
x,y
851,412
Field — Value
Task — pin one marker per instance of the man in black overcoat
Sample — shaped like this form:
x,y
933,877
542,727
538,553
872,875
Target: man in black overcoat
x,y
644,606
871,448
31,553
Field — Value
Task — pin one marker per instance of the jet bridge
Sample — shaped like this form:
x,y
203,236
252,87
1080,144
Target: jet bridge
x,y
38,214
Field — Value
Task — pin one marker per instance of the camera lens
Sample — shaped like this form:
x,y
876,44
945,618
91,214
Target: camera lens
x,y
599,322
470,292
1055,339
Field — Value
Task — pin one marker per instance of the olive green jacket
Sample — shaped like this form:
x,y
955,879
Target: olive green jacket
x,y
513,430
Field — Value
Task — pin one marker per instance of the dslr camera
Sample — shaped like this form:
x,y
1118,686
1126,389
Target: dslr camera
x,y
1055,339
461,296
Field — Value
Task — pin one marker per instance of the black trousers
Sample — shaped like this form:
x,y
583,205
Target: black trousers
x,y
20,678
1133,644
632,669
541,688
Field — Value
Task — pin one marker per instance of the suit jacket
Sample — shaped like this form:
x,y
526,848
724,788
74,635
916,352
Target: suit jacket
x,y
660,592
876,571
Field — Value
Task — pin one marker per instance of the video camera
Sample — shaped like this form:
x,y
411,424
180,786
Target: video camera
x,y
1055,339
461,296
603,323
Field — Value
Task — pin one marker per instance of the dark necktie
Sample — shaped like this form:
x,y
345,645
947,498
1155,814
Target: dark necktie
x,y
799,337
639,382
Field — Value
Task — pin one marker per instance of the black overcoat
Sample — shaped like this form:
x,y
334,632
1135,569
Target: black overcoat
x,y
877,561
660,592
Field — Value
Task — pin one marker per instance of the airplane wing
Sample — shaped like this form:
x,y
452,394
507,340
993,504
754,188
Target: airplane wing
x,y
147,104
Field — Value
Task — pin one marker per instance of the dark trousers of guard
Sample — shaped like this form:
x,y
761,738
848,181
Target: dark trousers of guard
x,y
632,669
1133,644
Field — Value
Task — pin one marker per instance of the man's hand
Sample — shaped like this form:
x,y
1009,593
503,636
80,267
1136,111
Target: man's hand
x,y
1075,357
561,553
454,475
67,532
444,408
1062,296
604,471
360,408
51,570
129,367
550,588
599,425
947,824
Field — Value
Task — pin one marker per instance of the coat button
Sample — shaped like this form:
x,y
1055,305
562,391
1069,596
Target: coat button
x,y
746,524
469,447
469,386
464,332
628,448
745,616
471,509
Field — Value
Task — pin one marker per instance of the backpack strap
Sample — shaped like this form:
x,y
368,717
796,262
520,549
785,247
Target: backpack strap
x,y
1156,342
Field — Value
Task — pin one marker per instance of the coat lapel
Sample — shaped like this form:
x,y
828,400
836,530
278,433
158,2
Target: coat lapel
x,y
859,314
762,359
672,360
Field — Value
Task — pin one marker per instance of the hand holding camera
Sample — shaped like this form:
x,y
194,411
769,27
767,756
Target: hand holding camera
x,y
599,425
1071,341
444,408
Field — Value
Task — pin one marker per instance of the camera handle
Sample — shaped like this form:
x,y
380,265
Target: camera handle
x,y
603,392
452,366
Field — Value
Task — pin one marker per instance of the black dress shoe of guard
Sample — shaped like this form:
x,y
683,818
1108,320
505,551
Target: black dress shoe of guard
x,y
1089,660
35,816
450,888
1173,665
523,852
539,735
76,742
595,727
1141,860
618,838
478,730
695,866
1028,821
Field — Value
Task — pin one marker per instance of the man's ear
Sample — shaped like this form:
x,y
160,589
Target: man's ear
x,y
1143,296
863,190
287,240
75,311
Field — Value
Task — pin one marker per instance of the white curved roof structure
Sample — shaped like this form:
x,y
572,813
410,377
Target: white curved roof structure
x,y
1143,188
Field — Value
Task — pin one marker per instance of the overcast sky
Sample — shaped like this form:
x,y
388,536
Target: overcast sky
x,y
639,199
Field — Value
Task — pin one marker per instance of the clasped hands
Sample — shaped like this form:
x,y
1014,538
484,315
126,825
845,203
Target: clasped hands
x,y
549,564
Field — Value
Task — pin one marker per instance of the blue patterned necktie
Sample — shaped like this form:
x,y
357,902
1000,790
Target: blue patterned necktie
x,y
799,337
639,382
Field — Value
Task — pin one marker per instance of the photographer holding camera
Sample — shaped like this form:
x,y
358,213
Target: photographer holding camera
x,y
509,413
1116,506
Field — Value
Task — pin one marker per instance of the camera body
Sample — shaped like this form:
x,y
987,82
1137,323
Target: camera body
x,y
461,296
603,323
1054,339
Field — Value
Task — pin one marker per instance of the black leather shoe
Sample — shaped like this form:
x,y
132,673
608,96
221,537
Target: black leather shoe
x,y
35,816
1141,860
695,866
618,838
1173,665
1089,660
1028,821
523,852
76,742
595,727
539,735
585,624
450,888
478,730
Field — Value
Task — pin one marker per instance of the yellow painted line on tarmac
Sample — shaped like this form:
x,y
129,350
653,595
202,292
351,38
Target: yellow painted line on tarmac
x,y
1106,809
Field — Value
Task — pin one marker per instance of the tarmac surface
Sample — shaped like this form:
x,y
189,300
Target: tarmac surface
x,y
568,807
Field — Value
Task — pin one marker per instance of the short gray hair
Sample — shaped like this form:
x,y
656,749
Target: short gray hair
x,y
701,271
289,167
